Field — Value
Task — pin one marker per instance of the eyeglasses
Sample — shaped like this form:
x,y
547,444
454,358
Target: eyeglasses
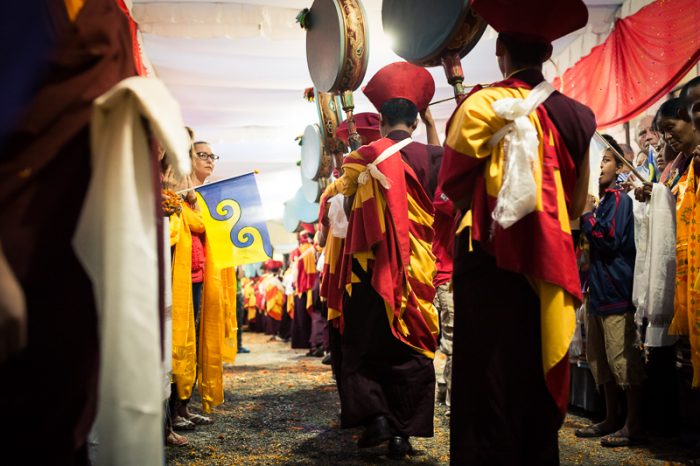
x,y
204,156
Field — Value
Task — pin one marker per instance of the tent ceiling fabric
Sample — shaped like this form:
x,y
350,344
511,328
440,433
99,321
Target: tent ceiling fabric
x,y
238,70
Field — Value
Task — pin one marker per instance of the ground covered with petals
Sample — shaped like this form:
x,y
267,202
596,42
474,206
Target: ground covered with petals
x,y
282,408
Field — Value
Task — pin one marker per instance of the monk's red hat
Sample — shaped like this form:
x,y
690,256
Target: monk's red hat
x,y
272,265
534,20
307,228
401,80
367,125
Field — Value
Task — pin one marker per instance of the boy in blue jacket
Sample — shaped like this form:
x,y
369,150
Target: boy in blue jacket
x,y
612,349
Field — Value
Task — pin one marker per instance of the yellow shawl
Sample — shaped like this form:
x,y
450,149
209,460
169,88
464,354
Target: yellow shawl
x,y
686,313
184,338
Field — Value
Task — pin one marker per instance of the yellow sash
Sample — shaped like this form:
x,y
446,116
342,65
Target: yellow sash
x,y
184,338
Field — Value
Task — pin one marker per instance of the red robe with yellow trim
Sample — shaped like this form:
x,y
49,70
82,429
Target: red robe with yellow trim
x,y
390,232
274,296
331,288
306,272
540,245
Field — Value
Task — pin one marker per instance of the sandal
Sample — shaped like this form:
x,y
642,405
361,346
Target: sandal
x,y
591,431
176,440
618,439
180,423
200,420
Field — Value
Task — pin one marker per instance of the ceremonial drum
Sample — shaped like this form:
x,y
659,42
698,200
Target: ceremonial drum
x,y
306,211
337,51
312,154
299,209
427,35
336,45
290,220
330,116
313,189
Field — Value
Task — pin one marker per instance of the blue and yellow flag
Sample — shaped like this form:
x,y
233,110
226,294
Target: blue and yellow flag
x,y
234,220
653,169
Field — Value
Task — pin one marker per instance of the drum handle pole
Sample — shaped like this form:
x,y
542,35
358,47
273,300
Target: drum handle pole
x,y
452,64
348,103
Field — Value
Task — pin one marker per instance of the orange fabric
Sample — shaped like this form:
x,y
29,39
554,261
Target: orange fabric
x,y
686,312
184,350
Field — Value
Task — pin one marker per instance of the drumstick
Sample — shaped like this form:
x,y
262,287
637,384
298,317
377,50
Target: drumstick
x,y
467,89
621,158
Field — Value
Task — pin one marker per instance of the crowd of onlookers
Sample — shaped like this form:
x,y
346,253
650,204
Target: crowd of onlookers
x,y
638,251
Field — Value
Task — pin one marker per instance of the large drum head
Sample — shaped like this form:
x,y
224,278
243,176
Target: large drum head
x,y
311,152
336,45
307,211
424,30
311,189
291,219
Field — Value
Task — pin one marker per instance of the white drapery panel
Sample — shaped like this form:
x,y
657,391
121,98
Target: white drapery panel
x,y
207,20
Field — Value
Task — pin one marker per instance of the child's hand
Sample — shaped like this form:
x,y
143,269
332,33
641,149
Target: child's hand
x,y
590,204
643,193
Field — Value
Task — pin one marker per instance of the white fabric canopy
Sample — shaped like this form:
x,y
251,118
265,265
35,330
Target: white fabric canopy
x,y
238,69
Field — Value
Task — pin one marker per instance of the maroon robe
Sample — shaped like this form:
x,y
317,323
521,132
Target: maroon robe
x,y
48,394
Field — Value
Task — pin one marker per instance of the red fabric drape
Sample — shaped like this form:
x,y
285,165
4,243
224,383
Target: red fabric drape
x,y
644,57
136,48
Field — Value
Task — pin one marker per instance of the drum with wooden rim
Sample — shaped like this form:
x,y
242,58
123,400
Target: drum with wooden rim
x,y
427,35
313,189
312,150
330,115
337,51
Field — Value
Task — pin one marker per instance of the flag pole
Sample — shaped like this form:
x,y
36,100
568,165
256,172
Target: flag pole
x,y
182,191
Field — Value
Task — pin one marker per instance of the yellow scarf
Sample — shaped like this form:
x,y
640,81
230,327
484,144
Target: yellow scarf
x,y
184,338
217,328
686,312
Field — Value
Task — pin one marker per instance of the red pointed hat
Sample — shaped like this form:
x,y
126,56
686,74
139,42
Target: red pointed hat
x,y
367,125
542,20
401,80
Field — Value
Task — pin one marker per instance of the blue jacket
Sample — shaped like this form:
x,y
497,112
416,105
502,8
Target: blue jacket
x,y
610,233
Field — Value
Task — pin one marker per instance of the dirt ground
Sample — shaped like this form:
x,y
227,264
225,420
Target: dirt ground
x,y
282,408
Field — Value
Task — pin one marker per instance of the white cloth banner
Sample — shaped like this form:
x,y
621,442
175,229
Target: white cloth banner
x,y
336,216
518,194
116,241
655,267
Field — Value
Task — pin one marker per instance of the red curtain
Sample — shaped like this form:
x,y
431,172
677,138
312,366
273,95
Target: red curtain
x,y
644,57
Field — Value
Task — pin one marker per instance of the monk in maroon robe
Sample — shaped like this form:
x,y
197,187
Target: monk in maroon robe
x,y
49,387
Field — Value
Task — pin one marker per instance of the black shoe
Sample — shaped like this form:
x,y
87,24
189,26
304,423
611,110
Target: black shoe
x,y
327,359
376,432
243,350
399,447
318,353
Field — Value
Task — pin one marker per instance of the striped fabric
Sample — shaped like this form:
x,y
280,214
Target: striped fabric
x,y
390,232
274,296
331,289
538,246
